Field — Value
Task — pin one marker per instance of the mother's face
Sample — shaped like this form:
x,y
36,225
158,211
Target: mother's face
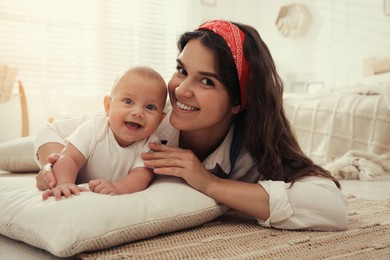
x,y
199,100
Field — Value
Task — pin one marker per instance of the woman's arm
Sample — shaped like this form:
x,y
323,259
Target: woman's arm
x,y
311,203
248,198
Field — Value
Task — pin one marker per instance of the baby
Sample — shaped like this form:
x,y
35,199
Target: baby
x,y
105,151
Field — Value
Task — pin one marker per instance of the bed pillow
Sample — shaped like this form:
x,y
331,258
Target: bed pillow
x,y
93,221
17,155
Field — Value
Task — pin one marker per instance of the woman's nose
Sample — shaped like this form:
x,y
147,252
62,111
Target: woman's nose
x,y
184,89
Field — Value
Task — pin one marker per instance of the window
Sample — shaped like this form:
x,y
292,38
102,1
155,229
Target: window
x,y
83,44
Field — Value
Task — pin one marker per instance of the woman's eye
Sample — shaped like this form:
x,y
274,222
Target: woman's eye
x,y
151,107
208,82
128,101
181,70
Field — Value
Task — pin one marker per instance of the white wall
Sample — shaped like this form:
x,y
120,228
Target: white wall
x,y
341,35
11,120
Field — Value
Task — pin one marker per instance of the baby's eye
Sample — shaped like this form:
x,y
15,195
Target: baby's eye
x,y
128,101
151,107
208,82
181,70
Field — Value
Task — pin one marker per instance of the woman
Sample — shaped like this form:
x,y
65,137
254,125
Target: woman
x,y
234,141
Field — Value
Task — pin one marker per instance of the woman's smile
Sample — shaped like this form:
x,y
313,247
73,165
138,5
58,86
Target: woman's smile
x,y
185,107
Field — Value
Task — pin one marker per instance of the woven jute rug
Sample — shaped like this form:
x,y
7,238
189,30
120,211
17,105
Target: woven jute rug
x,y
236,236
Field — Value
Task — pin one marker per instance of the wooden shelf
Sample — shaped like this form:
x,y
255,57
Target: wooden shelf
x,y
293,20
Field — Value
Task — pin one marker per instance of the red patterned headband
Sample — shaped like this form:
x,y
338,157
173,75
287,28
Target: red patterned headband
x,y
234,38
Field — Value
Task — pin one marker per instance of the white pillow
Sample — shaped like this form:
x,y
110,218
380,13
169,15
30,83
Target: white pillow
x,y
93,221
17,155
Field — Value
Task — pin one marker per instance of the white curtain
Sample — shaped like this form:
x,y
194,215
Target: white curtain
x,y
83,44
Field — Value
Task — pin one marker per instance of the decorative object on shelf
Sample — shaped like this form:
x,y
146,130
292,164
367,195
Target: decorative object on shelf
x,y
293,20
7,80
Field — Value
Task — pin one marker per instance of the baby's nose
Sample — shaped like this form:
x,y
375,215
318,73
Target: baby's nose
x,y
137,113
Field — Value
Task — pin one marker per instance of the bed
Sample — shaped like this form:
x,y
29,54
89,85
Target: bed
x,y
346,132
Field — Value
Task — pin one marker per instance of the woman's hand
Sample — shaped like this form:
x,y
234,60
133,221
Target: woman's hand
x,y
45,178
178,162
249,198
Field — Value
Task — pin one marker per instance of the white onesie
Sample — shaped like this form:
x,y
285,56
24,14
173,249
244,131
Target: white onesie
x,y
105,158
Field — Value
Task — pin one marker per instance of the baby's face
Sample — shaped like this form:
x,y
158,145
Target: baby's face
x,y
136,107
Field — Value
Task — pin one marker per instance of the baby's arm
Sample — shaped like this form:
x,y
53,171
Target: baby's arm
x,y
138,179
65,171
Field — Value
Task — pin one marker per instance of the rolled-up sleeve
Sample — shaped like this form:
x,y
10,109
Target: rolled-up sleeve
x,y
311,203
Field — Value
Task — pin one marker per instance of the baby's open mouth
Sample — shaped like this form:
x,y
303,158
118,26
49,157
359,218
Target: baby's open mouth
x,y
133,125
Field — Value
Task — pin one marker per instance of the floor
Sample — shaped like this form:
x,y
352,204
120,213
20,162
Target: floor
x,y
11,249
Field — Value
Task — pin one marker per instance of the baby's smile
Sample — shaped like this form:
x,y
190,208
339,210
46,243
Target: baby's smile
x,y
133,125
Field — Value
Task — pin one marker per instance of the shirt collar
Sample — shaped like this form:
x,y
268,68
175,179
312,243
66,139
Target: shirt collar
x,y
221,156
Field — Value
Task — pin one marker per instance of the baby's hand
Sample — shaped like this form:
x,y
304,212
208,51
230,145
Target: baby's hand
x,y
66,189
103,186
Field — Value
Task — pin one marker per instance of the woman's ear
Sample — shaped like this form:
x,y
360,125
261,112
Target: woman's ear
x,y
236,109
107,104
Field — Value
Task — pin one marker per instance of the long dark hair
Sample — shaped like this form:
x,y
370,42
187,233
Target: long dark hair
x,y
266,132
